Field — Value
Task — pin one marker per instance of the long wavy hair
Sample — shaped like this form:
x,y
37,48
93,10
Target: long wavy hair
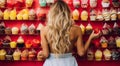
x,y
59,23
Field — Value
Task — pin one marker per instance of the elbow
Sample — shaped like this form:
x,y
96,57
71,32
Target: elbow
x,y
46,55
81,53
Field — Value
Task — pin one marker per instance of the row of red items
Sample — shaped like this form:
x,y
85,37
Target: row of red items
x,y
93,3
17,3
24,3
17,55
43,3
20,43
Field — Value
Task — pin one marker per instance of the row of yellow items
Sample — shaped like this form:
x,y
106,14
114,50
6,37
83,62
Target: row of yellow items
x,y
20,55
99,55
24,14
105,14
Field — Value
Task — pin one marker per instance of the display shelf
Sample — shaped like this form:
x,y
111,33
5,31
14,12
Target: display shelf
x,y
100,60
23,7
43,61
37,19
21,61
23,20
105,48
106,21
113,34
98,24
19,34
20,48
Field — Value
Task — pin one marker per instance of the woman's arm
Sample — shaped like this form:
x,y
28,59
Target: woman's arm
x,y
83,48
44,44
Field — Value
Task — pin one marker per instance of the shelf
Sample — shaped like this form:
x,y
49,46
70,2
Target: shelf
x,y
104,35
43,61
105,21
21,20
20,47
97,21
19,34
105,48
99,61
22,7
75,21
20,61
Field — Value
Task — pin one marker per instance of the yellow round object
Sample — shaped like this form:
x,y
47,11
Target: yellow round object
x,y
107,54
16,54
2,54
118,42
98,55
84,15
6,14
13,14
82,28
19,17
29,3
89,27
13,44
20,40
75,14
25,16
15,30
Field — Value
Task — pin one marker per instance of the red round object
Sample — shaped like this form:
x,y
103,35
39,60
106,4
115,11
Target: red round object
x,y
10,3
96,42
28,42
41,13
96,30
35,43
19,3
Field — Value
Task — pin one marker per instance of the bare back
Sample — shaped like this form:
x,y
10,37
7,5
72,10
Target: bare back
x,y
74,31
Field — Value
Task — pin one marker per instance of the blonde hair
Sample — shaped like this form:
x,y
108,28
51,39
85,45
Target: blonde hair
x,y
59,23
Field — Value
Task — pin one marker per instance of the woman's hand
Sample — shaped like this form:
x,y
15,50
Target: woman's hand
x,y
94,35
40,56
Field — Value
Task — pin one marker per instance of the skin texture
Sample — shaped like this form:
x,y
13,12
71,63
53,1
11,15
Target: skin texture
x,y
75,39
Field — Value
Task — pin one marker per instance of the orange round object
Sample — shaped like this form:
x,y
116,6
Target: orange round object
x,y
104,45
28,44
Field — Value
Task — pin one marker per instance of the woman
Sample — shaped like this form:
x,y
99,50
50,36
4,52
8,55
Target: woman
x,y
60,36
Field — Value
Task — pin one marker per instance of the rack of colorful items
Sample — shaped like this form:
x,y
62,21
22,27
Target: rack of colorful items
x,y
20,25
98,15
21,22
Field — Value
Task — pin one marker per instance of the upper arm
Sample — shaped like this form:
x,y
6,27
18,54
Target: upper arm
x,y
44,43
80,46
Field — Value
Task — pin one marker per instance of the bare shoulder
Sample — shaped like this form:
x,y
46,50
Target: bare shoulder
x,y
44,30
76,29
